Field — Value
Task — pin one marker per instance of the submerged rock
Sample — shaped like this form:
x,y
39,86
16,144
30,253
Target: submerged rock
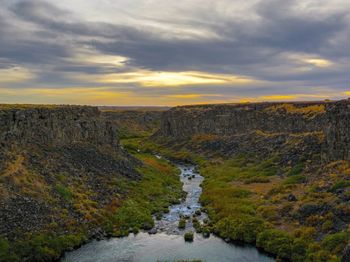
x,y
153,231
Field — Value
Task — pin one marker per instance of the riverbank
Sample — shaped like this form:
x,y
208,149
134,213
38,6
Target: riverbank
x,y
247,200
165,242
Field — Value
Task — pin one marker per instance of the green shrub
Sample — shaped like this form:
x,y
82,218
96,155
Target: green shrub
x,y
64,192
188,237
299,250
295,179
276,242
182,223
133,215
244,228
340,185
5,250
335,243
296,170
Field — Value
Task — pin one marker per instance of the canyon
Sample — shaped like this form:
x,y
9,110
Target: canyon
x,y
276,175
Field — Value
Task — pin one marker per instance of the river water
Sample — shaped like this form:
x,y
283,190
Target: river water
x,y
168,243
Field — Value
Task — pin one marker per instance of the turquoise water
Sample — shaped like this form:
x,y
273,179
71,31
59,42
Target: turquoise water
x,y
168,244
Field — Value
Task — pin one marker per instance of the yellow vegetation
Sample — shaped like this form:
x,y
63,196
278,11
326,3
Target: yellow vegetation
x,y
307,111
204,138
30,183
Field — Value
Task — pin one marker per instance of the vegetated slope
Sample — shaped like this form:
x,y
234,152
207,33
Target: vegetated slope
x,y
276,174
64,178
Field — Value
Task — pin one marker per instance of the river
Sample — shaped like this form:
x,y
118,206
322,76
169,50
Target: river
x,y
167,244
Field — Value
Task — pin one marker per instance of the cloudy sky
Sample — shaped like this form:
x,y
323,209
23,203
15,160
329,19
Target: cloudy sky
x,y
166,52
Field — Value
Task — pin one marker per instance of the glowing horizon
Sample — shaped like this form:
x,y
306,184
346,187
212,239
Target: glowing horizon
x,y
135,53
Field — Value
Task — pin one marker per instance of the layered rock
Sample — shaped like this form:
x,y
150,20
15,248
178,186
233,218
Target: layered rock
x,y
56,125
232,121
59,165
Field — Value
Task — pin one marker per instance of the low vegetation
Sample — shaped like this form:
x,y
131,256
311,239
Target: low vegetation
x,y
307,111
276,207
188,236
157,188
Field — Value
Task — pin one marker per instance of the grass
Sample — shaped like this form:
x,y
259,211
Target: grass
x,y
246,201
159,188
129,211
64,192
306,111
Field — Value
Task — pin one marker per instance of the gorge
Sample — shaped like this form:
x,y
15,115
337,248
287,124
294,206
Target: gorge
x,y
276,176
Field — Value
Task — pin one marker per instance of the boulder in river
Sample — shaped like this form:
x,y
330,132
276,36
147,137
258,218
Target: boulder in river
x,y
153,231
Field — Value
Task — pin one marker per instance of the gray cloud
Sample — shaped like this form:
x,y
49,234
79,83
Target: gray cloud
x,y
43,37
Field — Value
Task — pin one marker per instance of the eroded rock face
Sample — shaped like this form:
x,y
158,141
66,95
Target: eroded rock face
x,y
227,120
59,165
337,131
59,125
330,121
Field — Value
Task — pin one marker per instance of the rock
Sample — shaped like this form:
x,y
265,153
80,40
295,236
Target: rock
x,y
54,146
153,231
346,254
262,128
206,234
292,198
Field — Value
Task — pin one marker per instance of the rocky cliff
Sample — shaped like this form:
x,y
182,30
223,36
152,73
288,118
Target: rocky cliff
x,y
285,164
55,125
62,172
328,121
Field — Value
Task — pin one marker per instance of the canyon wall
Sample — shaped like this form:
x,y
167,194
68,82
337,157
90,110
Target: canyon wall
x,y
330,119
55,125
59,165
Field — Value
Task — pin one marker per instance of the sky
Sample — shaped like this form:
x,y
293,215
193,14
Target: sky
x,y
166,52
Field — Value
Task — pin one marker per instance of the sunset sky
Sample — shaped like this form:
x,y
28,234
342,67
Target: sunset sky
x,y
166,52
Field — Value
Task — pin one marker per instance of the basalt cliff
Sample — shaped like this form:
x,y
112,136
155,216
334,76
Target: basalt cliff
x,y
276,174
61,170
231,128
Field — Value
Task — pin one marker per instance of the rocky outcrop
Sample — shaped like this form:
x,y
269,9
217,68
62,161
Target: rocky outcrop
x,y
329,121
227,120
55,125
59,165
337,131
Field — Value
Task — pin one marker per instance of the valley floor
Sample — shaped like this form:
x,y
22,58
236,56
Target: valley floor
x,y
297,214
